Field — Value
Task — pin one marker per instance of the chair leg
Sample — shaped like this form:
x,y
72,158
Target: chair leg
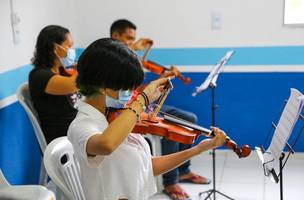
x,y
58,193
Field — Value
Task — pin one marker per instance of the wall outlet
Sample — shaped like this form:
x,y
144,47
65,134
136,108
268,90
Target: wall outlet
x,y
216,20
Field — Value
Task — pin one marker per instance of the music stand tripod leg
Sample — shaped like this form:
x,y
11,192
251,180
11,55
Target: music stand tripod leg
x,y
224,195
213,190
210,192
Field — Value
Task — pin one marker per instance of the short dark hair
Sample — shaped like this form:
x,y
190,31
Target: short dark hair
x,y
120,26
44,55
108,64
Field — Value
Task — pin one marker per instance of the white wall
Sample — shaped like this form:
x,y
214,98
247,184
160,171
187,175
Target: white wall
x,y
171,23
186,23
34,14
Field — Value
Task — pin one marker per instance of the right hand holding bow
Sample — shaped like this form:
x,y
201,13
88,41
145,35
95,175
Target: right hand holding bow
x,y
155,88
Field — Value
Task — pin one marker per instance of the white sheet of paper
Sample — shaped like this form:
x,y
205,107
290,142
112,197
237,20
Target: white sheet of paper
x,y
213,75
284,128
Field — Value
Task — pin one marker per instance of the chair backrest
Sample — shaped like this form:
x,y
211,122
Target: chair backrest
x,y
63,168
3,181
24,97
38,192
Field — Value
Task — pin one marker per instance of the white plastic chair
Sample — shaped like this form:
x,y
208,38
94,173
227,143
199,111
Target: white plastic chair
x,y
23,192
63,168
23,96
155,142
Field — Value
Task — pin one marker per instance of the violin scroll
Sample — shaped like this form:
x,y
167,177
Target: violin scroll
x,y
185,80
241,152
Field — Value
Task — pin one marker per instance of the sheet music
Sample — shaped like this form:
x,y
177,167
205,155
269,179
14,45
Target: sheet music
x,y
213,75
284,128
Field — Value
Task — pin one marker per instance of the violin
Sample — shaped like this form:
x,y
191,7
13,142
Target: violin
x,y
158,126
160,69
174,128
70,71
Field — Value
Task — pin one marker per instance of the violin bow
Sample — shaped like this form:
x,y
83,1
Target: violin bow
x,y
147,52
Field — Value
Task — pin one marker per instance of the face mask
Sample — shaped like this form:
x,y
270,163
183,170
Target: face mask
x,y
70,58
123,97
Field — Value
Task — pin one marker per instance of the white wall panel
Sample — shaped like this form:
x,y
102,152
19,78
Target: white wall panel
x,y
34,15
187,23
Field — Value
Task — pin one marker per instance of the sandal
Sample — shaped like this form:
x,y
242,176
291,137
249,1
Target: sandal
x,y
176,193
196,179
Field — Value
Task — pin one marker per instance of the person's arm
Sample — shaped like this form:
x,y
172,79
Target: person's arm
x,y
61,85
119,129
43,80
162,164
116,132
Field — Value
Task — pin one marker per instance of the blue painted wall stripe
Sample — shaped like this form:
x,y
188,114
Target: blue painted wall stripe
x,y
279,55
10,80
293,55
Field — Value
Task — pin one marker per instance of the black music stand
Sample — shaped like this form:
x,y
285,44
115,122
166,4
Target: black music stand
x,y
210,82
275,153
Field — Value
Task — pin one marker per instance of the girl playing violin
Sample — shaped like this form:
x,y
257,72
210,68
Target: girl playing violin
x,y
124,31
114,163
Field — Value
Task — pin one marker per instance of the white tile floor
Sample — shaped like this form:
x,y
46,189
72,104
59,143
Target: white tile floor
x,y
243,179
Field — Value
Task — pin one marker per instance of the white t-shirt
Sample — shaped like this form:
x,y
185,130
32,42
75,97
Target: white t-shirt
x,y
125,173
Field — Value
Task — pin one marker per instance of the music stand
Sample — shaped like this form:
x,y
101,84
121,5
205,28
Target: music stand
x,y
274,155
210,82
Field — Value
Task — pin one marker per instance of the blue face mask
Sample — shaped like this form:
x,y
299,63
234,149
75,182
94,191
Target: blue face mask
x,y
123,97
70,58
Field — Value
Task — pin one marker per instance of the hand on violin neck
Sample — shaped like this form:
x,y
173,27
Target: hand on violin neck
x,y
218,140
172,72
155,88
219,137
175,71
142,44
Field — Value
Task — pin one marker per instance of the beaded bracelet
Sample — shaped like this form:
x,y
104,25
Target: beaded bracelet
x,y
137,115
142,105
145,97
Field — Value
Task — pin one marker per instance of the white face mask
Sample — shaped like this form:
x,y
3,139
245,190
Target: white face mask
x,y
70,58
123,97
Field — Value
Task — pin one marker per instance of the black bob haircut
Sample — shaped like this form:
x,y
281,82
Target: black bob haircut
x,y
121,25
108,64
44,55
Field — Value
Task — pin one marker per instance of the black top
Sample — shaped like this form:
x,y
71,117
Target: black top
x,y
56,112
